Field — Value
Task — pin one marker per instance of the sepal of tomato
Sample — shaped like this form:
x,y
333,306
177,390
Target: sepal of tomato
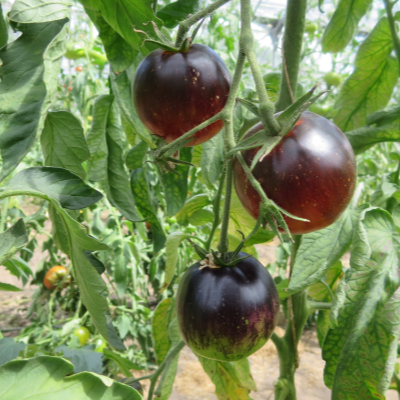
x,y
227,313
174,92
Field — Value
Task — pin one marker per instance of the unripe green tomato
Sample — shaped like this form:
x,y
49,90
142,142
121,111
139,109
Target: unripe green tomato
x,y
82,334
310,28
100,345
332,78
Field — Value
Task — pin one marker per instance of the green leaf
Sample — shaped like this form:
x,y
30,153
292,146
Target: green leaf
x,y
195,203
84,359
106,157
136,155
261,236
123,363
201,217
3,29
176,186
371,84
35,11
362,139
177,11
27,88
233,381
122,89
123,324
162,317
140,190
382,193
6,287
171,247
212,160
343,24
119,52
19,268
57,183
45,378
13,240
357,345
318,291
320,250
9,350
63,142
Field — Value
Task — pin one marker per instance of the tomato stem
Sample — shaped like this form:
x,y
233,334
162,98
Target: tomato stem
x,y
392,25
292,44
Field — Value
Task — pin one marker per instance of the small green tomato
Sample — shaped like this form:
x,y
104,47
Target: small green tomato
x,y
100,345
332,78
82,334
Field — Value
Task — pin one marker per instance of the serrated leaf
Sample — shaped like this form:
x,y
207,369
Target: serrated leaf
x,y
119,52
171,248
63,142
371,84
136,155
59,184
35,11
9,350
122,89
140,190
6,287
357,348
197,202
343,24
46,377
163,315
13,240
212,160
19,268
106,157
84,359
319,250
177,11
176,186
27,89
382,193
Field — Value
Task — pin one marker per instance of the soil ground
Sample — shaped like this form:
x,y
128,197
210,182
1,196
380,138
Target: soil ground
x,y
191,382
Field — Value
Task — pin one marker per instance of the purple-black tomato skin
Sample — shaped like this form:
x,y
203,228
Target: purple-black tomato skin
x,y
227,314
311,174
175,92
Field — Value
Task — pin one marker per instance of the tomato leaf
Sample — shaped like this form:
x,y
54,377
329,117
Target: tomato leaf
x,y
123,363
144,203
59,184
63,142
42,377
171,247
233,381
9,349
84,359
27,88
6,287
320,250
343,24
212,160
361,346
106,157
177,11
122,89
13,240
371,84
176,186
3,29
136,155
119,52
193,204
34,11
19,268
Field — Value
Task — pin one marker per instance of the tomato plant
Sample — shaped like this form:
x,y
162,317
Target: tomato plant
x,y
83,334
55,275
311,174
175,92
227,313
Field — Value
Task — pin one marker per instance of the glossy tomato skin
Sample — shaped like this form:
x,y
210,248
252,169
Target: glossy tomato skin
x,y
54,275
228,313
174,92
82,334
311,173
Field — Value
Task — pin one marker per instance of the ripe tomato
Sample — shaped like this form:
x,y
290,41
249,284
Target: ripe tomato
x,y
54,275
82,334
174,92
227,313
78,68
311,173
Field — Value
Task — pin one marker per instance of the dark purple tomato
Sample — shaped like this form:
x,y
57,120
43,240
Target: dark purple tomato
x,y
311,173
227,313
175,92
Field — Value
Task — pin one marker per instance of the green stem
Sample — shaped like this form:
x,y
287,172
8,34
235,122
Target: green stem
x,y
266,107
216,209
392,25
4,212
291,52
185,25
318,305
